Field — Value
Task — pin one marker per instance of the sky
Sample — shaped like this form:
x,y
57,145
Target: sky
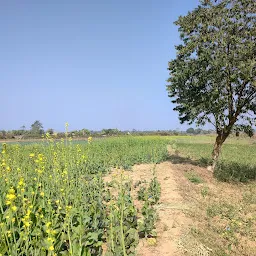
x,y
92,63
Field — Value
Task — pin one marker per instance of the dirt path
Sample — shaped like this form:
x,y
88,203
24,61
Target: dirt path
x,y
172,223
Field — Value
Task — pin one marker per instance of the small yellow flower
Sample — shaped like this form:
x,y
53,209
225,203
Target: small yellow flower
x,y
48,224
51,248
21,182
10,196
14,208
50,239
8,202
31,155
11,191
27,224
42,194
89,139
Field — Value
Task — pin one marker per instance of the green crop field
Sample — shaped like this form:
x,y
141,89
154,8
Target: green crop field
x,y
54,201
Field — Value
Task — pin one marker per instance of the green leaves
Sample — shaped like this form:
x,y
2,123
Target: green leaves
x,y
58,201
213,75
122,235
150,195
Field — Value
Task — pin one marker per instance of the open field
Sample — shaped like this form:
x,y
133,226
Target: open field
x,y
237,160
223,214
127,196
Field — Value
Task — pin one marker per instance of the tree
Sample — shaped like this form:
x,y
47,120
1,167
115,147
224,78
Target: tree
x,y
37,128
212,79
198,131
190,130
3,134
110,132
85,132
50,131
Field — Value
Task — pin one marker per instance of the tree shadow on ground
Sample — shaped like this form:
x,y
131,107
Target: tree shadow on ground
x,y
178,159
227,171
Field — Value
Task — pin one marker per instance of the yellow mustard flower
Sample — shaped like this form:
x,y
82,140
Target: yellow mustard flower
x,y
48,224
11,191
10,196
27,223
14,208
8,202
51,248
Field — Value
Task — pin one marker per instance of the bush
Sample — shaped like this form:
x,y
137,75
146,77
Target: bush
x,y
232,171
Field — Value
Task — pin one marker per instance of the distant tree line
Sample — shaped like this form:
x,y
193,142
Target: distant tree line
x,y
198,131
37,131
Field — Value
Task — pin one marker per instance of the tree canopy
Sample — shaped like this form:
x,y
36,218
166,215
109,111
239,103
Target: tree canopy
x,y
213,77
37,128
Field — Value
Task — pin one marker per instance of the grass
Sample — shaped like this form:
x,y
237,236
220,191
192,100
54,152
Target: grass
x,y
194,177
237,160
223,213
225,219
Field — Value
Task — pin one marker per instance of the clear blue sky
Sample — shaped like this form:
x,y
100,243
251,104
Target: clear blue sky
x,y
93,63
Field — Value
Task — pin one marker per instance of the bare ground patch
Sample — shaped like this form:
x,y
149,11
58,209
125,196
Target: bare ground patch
x,y
223,214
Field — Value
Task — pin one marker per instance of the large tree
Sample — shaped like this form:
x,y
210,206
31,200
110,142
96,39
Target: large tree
x,y
213,77
37,128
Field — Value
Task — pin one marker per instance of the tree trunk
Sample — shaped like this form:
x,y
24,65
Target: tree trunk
x,y
217,149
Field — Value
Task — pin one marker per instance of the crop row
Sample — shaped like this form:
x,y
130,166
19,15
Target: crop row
x,y
53,200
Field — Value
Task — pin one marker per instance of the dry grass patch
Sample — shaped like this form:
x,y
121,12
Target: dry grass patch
x,y
224,215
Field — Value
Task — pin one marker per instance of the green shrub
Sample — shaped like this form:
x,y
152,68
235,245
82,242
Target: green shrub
x,y
232,171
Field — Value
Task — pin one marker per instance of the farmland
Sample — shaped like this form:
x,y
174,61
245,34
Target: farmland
x,y
69,198
54,200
